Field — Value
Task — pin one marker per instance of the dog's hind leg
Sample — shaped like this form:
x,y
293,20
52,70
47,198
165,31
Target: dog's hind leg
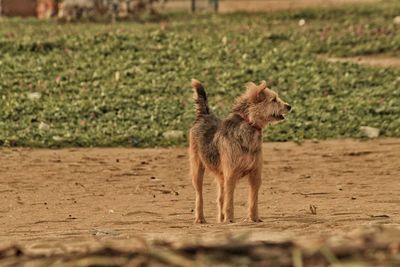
x,y
220,198
197,171
197,179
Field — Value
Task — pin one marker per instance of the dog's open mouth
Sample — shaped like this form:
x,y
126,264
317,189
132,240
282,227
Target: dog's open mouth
x,y
279,117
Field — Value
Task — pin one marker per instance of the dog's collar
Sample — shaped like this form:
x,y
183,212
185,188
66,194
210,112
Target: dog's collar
x,y
246,119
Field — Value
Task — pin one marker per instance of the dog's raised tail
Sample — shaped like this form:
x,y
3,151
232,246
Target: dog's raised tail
x,y
200,98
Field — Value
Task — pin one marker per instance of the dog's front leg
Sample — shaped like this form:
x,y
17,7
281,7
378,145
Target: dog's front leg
x,y
229,189
255,184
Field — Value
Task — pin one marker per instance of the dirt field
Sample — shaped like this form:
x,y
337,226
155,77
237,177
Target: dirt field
x,y
51,198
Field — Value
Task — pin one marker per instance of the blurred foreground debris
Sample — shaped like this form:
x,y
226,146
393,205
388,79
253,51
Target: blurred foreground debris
x,y
375,246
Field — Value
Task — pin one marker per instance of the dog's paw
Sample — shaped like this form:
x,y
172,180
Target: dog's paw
x,y
229,221
200,221
255,220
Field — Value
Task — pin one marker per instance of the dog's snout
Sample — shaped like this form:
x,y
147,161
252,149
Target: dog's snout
x,y
289,107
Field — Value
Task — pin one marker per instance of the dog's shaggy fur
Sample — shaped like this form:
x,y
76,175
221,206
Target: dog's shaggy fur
x,y
231,148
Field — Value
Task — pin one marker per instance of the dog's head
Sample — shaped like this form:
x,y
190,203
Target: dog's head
x,y
262,105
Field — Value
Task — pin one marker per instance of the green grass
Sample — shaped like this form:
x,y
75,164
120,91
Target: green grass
x,y
125,84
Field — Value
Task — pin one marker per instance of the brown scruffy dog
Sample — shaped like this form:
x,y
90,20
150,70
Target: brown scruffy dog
x,y
231,148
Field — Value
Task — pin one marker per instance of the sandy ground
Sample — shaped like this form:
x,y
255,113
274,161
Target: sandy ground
x,y
262,5
51,198
382,61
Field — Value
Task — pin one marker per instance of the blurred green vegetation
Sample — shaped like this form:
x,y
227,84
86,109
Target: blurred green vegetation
x,y
125,84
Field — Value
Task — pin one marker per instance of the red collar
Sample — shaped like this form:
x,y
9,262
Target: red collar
x,y
246,119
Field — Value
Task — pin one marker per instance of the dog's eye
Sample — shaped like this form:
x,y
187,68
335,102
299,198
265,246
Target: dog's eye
x,y
274,99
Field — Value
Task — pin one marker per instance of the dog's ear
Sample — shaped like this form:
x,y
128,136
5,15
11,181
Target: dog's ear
x,y
263,85
256,93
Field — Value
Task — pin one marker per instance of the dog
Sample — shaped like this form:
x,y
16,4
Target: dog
x,y
232,148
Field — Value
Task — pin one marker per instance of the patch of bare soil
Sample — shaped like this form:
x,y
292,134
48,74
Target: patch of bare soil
x,y
265,5
50,198
275,5
382,61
